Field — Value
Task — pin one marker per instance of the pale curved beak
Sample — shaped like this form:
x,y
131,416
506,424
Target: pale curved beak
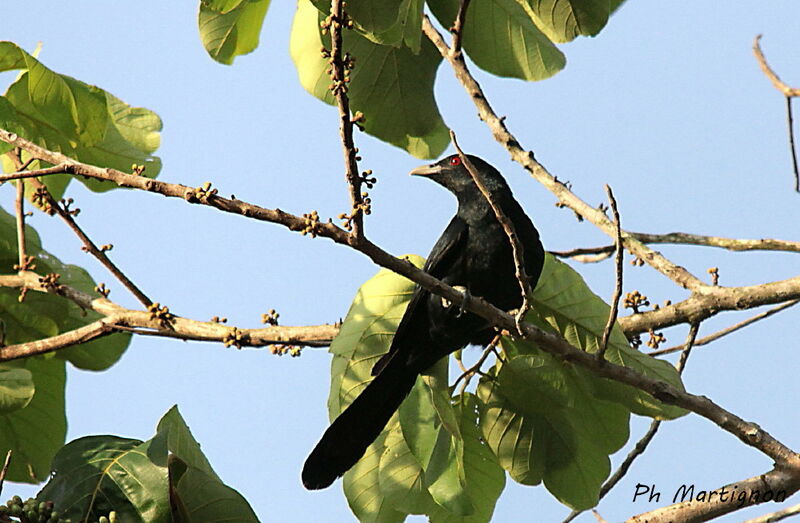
x,y
426,170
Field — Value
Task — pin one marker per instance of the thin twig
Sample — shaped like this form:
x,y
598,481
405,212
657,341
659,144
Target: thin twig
x,y
727,330
21,173
776,81
339,81
19,207
458,26
90,247
516,246
612,313
789,93
777,515
4,470
467,374
792,148
645,440
682,238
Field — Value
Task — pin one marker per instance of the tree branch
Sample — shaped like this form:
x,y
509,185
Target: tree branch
x,y
713,300
789,93
728,330
341,64
22,174
767,70
776,516
90,247
119,319
614,309
775,481
682,238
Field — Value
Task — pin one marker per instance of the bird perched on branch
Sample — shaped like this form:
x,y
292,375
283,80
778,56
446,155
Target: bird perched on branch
x,y
474,253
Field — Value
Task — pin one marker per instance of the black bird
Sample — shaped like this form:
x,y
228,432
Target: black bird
x,y
473,253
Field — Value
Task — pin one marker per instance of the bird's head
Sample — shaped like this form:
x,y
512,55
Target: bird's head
x,y
451,173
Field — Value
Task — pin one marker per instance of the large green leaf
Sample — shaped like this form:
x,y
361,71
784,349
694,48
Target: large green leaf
x,y
95,475
43,315
484,479
230,28
204,499
366,334
80,120
16,387
363,490
197,491
502,38
563,302
566,444
36,431
563,20
391,86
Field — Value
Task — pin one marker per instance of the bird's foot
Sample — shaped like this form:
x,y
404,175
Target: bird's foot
x,y
467,296
463,307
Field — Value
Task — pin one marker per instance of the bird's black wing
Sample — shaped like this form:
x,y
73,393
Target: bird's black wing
x,y
447,252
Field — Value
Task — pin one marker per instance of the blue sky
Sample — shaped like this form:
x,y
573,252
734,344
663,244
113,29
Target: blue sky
x,y
667,106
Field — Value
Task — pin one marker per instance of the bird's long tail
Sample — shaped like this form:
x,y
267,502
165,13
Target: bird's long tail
x,y
358,426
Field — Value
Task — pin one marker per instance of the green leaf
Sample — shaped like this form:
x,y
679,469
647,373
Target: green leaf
x,y
511,436
36,431
221,6
391,86
565,304
484,478
374,15
563,20
502,38
229,30
407,30
182,444
363,491
97,474
567,443
44,315
419,423
80,120
401,477
16,387
204,499
366,334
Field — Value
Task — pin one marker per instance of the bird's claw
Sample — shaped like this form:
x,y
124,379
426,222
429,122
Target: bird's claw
x,y
467,296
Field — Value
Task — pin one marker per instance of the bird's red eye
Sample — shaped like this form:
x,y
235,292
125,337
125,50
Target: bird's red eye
x,y
455,160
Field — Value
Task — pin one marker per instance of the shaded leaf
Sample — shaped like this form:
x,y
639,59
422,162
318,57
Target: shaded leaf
x,y
16,387
221,6
36,431
391,86
567,305
97,474
204,498
229,28
484,478
502,38
563,20
363,491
